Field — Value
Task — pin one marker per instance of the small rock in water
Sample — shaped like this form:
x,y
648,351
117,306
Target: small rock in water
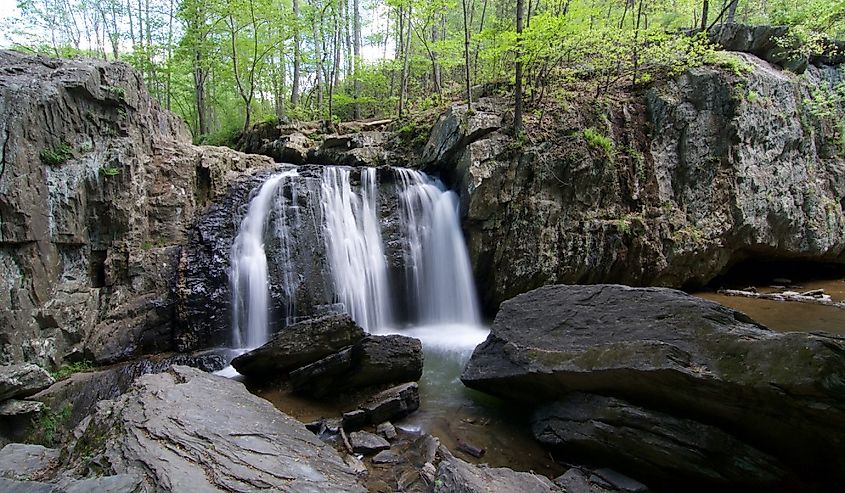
x,y
367,443
750,289
782,280
387,457
387,430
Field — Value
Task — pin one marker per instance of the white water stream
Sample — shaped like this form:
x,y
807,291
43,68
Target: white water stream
x,y
438,295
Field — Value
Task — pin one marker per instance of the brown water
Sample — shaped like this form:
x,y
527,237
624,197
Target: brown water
x,y
449,411
789,315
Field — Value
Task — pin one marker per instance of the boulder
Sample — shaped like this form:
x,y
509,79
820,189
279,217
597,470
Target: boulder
x,y
187,430
375,360
393,403
456,476
580,480
23,461
667,351
456,128
298,345
22,380
14,407
651,444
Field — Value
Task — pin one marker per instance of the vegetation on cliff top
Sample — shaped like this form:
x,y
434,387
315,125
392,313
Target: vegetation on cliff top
x,y
225,65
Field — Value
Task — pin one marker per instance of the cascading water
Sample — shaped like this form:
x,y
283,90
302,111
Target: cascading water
x,y
248,277
438,289
354,247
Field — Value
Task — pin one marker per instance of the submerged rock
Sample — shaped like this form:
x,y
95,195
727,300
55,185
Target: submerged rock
x,y
298,345
670,352
652,443
375,360
187,430
22,380
366,443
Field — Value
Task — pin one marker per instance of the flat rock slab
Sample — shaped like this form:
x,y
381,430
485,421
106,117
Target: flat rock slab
x,y
662,349
185,430
298,345
387,457
14,407
367,443
23,461
456,476
375,360
577,480
651,443
22,380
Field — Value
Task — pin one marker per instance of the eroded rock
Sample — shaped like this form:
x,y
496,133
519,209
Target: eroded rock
x,y
185,429
22,380
456,476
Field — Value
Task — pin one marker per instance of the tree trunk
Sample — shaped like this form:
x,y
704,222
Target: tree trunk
x,y
517,107
356,61
318,54
466,56
403,95
705,11
732,11
294,91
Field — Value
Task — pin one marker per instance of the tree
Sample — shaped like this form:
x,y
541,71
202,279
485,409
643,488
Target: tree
x,y
517,110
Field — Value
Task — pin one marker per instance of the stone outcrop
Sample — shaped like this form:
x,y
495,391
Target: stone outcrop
x,y
298,345
187,430
375,360
457,476
702,172
652,443
98,188
667,352
22,380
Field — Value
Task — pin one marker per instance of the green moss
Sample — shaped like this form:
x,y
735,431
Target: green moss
x,y
68,370
110,170
598,141
57,155
49,423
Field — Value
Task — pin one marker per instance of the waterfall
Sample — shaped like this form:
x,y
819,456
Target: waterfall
x,y
354,247
248,276
438,274
346,248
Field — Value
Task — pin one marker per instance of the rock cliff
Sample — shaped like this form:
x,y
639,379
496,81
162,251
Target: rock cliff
x,y
98,188
671,186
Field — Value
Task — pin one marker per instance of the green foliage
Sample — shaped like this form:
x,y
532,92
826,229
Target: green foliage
x,y
68,370
728,61
48,424
599,141
57,155
109,171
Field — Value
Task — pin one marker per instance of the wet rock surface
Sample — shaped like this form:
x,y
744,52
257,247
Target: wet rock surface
x,y
298,345
457,476
393,403
665,351
375,360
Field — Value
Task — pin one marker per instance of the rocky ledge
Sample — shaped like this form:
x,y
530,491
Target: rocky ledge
x,y
659,370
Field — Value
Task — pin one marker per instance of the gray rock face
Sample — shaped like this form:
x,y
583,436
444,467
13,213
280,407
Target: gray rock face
x,y
22,380
578,480
99,186
184,430
298,345
770,43
14,407
456,476
667,351
376,360
20,461
654,444
707,170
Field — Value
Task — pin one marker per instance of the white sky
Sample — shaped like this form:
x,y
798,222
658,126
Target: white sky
x,y
7,8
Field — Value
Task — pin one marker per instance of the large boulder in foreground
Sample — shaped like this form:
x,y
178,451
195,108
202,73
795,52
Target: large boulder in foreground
x,y
300,344
457,476
185,430
376,360
783,393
